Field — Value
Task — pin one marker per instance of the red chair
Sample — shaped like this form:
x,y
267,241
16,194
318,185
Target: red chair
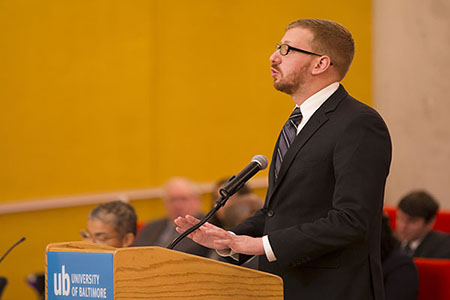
x,y
434,278
139,226
391,212
442,221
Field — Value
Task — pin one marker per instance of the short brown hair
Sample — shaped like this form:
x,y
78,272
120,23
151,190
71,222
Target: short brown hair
x,y
331,39
419,204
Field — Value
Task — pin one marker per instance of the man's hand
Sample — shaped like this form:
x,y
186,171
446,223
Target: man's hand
x,y
205,235
243,244
214,237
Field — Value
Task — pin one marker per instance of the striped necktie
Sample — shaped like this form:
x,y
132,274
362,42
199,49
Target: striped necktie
x,y
408,249
287,136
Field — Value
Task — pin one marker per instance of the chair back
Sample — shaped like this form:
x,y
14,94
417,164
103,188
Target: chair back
x,y
434,278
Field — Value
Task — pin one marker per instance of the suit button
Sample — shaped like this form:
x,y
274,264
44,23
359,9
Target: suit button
x,y
270,213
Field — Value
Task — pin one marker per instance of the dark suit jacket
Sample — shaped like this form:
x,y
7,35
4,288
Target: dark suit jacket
x,y
150,234
435,245
323,215
401,281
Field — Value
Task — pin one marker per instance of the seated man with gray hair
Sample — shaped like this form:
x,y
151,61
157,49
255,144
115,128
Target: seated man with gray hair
x,y
181,198
112,224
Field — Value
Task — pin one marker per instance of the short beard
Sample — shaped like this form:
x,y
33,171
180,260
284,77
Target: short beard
x,y
293,84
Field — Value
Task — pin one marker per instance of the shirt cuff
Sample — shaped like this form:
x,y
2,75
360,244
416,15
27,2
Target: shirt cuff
x,y
268,249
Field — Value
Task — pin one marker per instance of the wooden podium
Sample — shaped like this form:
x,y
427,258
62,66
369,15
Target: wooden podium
x,y
151,273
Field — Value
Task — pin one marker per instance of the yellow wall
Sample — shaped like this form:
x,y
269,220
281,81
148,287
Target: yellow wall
x,y
101,95
76,109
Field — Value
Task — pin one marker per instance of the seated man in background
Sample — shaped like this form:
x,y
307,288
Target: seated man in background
x,y
400,276
415,219
217,218
112,224
238,208
181,197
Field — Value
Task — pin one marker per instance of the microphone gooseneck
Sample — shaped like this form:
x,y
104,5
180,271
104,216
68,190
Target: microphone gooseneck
x,y
12,247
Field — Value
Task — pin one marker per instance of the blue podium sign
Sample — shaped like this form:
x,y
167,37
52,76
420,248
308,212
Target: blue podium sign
x,y
75,275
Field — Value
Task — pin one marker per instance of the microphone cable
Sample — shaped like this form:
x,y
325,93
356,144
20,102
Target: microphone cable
x,y
12,247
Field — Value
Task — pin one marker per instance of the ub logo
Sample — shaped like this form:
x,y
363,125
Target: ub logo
x,y
61,282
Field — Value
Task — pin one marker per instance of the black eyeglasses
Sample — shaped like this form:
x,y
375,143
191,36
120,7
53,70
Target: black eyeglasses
x,y
99,238
285,48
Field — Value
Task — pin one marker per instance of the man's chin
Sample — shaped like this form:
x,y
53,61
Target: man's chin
x,y
278,85
282,88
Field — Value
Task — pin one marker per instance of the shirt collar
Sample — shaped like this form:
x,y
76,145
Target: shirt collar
x,y
413,244
309,107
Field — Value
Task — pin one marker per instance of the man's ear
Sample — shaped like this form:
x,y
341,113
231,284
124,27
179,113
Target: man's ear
x,y
128,240
321,65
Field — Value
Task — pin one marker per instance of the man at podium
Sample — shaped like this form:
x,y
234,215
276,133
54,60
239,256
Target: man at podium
x,y
320,225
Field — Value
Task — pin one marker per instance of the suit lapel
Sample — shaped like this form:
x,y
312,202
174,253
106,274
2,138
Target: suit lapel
x,y
159,227
419,250
272,172
316,121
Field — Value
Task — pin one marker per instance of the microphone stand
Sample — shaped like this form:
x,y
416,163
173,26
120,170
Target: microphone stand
x,y
259,162
219,203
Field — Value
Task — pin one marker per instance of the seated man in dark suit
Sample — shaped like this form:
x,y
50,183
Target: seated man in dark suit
x,y
240,207
217,218
237,209
181,198
415,219
399,271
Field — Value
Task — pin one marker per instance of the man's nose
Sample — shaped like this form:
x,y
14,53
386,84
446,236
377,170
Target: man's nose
x,y
275,58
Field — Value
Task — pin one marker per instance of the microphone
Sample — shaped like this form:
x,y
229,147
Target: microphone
x,y
12,247
258,163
